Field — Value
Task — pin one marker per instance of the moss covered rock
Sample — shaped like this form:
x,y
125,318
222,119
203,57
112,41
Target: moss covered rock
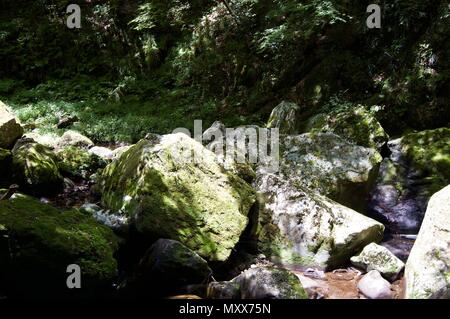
x,y
172,187
418,167
10,129
78,162
329,165
269,283
376,257
38,242
35,168
427,270
356,125
428,152
284,117
298,227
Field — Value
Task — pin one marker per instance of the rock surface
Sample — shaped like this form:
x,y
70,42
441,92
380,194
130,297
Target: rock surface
x,y
284,117
418,167
73,138
269,283
327,164
78,162
170,264
35,168
356,125
427,270
376,257
374,286
10,129
169,195
301,228
36,238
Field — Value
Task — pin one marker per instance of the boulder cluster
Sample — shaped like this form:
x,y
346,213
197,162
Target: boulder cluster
x,y
157,225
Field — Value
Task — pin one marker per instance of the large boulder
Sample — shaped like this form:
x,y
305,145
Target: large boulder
x,y
35,168
10,129
284,117
376,257
427,270
269,283
170,265
329,165
172,187
38,242
356,124
418,167
299,227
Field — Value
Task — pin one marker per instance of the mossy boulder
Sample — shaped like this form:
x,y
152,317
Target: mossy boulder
x,y
35,168
300,228
427,271
357,125
10,129
5,166
428,152
376,257
329,165
269,283
284,117
172,187
77,162
73,138
38,242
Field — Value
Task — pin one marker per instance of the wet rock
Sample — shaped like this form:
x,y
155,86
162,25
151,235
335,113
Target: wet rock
x,y
269,283
416,169
168,194
284,117
376,257
427,271
10,129
374,286
301,228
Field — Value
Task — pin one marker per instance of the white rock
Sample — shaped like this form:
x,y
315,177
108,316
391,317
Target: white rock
x,y
373,286
10,129
73,138
376,257
102,152
427,270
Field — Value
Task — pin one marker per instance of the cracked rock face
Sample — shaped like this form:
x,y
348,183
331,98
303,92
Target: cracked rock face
x,y
427,270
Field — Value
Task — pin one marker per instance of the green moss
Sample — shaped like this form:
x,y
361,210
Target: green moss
x,y
197,204
78,162
35,168
43,240
429,153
